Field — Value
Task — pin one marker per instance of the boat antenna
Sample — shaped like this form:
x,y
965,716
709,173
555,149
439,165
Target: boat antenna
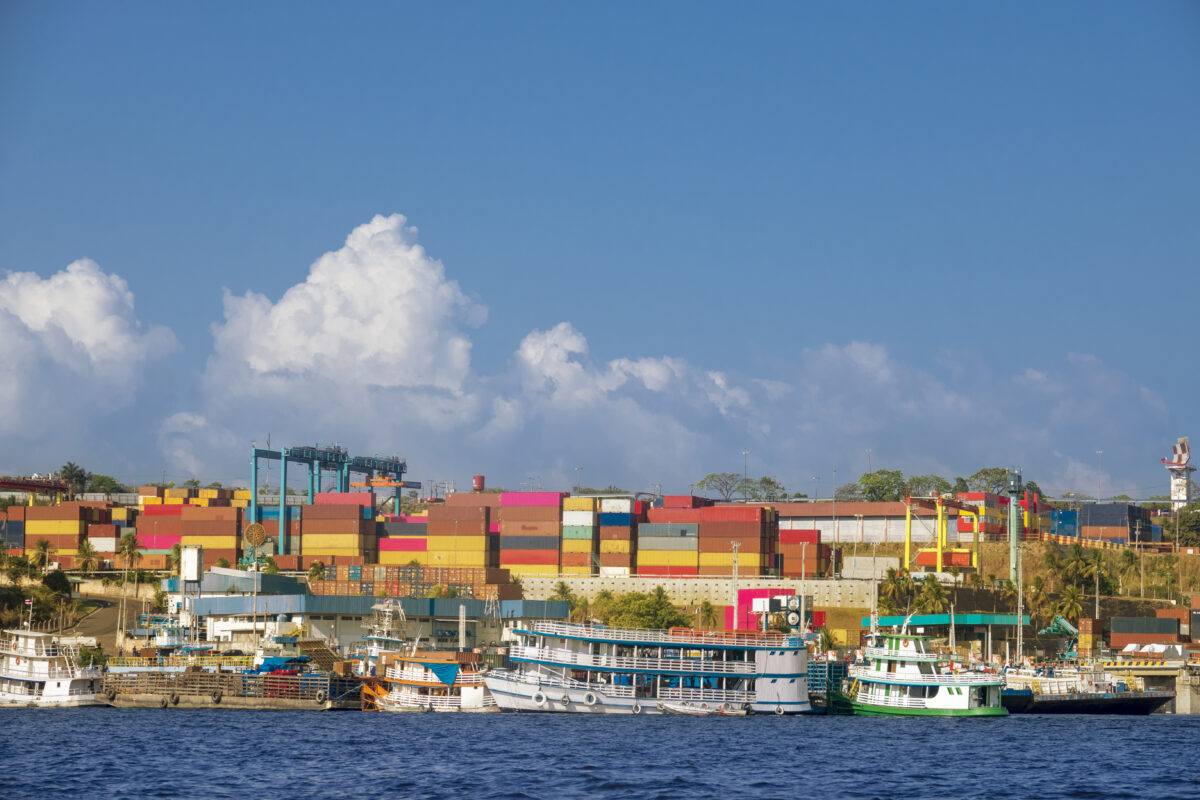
x,y
904,627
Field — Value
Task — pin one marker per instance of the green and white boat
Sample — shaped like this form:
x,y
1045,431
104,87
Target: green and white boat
x,y
904,677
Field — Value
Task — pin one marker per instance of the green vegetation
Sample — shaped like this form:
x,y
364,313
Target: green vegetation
x,y
652,610
316,571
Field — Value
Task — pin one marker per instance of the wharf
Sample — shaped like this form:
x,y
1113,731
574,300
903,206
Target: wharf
x,y
265,692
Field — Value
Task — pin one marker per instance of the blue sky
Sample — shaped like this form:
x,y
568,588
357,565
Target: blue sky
x,y
647,237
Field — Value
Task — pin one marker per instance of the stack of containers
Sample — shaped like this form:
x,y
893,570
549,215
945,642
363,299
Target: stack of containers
x,y
150,496
206,498
580,536
1142,630
218,530
459,537
159,528
618,536
63,526
800,554
530,532
1114,522
403,541
1091,631
241,498
993,516
668,543
177,497
103,537
339,526
270,522
12,528
756,528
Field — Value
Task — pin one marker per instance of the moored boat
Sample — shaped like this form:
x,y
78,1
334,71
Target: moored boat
x,y
571,667
435,680
37,670
905,677
1079,690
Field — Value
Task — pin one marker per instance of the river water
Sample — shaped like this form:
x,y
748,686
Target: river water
x,y
111,753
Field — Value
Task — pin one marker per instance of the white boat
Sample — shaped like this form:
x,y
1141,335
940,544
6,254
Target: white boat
x,y
435,680
599,670
701,709
37,671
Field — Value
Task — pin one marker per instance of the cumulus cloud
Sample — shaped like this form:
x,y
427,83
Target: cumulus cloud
x,y
72,346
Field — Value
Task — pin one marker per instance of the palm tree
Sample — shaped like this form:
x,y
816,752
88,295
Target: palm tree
x,y
1127,565
827,641
1070,603
74,476
932,599
316,572
709,616
41,553
1075,567
1053,563
561,592
175,559
86,557
129,549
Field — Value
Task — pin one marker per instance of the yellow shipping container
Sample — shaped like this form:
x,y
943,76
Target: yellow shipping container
x,y
239,503
459,544
63,551
316,542
178,493
55,527
583,546
331,551
668,558
174,501
212,542
576,570
146,500
395,558
456,558
579,504
120,514
726,559
242,494
613,545
531,569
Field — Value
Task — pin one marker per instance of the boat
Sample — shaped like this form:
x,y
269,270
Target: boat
x,y
594,669
435,680
38,670
690,709
1079,689
903,676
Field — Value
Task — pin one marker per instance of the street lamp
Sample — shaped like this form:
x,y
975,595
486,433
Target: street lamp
x,y
816,487
869,467
1099,463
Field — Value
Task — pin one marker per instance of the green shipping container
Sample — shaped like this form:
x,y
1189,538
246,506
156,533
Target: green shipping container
x,y
578,532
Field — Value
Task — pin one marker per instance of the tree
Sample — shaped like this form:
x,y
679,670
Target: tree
x,y
1189,528
175,559
75,476
85,557
638,610
270,567
223,563
932,598
926,485
960,486
710,618
763,489
1033,489
191,483
989,479
882,485
562,592
129,549
105,484
848,492
897,589
41,553
1127,565
57,582
826,640
1070,603
725,484
214,485
316,571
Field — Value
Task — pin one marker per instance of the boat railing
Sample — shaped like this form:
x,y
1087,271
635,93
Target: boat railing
x,y
410,673
30,671
538,679
676,637
955,678
629,663
706,695
452,703
895,701
895,655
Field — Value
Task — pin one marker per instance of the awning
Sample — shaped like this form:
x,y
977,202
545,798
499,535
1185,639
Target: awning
x,y
445,672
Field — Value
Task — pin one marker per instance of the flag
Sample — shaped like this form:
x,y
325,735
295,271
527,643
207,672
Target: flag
x,y
29,601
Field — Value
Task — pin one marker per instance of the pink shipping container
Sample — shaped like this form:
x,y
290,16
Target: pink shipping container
x,y
494,527
532,498
403,544
344,499
158,541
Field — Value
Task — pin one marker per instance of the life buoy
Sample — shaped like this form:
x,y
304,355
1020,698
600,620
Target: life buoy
x,y
637,708
726,707
17,660
590,699
216,695
779,711
905,643
704,706
539,698
174,698
321,696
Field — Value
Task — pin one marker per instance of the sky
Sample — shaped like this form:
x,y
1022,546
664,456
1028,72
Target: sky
x,y
613,243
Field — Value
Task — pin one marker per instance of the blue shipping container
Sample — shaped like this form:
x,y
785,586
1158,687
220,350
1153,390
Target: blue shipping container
x,y
616,520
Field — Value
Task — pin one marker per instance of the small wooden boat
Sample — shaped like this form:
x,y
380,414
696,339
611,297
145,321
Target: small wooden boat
x,y
701,710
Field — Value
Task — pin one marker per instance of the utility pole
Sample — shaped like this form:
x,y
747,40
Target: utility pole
x,y
745,474
1099,463
869,467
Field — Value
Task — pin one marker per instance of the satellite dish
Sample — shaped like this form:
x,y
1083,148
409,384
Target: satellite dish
x,y
793,619
255,535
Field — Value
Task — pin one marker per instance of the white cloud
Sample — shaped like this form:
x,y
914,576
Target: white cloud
x,y
72,346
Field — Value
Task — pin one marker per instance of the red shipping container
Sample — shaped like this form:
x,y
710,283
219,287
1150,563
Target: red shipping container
x,y
458,514
97,531
616,533
673,515
403,544
799,537
349,561
163,511
530,557
330,512
682,501
528,514
733,514
669,572
553,499
576,559
209,514
616,559
474,500
16,513
529,529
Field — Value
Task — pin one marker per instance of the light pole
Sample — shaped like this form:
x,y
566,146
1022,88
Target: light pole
x,y
745,474
578,479
816,488
869,467
1099,463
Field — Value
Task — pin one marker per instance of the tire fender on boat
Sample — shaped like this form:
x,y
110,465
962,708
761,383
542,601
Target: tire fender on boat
x,y
637,708
216,695
174,698
590,699
779,711
539,698
321,696
726,706
111,694
162,702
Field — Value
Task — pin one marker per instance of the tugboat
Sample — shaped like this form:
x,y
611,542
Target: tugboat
x,y
904,677
39,671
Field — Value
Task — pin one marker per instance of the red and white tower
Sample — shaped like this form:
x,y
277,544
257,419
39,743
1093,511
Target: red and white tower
x,y
1181,473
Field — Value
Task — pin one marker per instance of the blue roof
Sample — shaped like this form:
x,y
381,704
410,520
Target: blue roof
x,y
934,620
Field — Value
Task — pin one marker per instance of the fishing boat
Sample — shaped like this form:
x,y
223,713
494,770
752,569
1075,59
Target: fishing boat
x,y
903,676
594,669
1079,690
37,670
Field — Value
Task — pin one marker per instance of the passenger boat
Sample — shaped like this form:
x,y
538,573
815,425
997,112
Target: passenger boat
x,y
39,671
904,677
1079,690
435,680
580,668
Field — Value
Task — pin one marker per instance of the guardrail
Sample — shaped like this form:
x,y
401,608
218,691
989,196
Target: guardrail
x,y
628,663
883,652
955,679
670,638
706,695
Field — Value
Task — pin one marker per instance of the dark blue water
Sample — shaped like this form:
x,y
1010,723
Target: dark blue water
x,y
110,753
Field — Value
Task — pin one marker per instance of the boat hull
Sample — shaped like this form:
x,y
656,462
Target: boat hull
x,y
868,710
51,702
1116,703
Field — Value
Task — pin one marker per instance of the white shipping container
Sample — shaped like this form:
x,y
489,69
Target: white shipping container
x,y
103,544
614,572
617,505
585,518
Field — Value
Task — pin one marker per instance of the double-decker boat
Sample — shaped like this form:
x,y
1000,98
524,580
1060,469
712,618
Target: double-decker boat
x,y
904,677
435,680
38,670
599,670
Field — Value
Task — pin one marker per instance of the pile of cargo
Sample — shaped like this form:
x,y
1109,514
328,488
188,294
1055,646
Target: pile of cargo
x,y
381,580
338,524
530,532
993,515
618,528
460,536
669,541
800,554
580,536
1118,523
